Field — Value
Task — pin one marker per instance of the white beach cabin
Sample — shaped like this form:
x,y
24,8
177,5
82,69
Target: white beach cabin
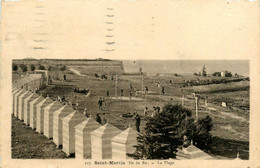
x,y
48,118
57,123
16,102
124,143
68,126
100,141
33,111
21,104
40,113
83,138
13,97
27,101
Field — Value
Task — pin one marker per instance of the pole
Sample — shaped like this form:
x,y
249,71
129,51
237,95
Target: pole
x,y
161,99
146,99
182,102
196,101
116,87
142,84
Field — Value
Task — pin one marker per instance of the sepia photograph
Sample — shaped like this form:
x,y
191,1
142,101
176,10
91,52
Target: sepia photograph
x,y
125,83
112,109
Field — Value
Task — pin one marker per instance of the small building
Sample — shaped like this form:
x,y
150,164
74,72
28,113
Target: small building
x,y
40,114
223,73
192,152
57,123
13,97
224,104
27,101
101,141
48,118
124,143
44,77
21,104
33,111
83,138
36,82
68,127
16,105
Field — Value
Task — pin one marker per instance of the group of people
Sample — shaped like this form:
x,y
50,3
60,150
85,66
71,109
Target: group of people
x,y
158,84
84,91
99,119
61,99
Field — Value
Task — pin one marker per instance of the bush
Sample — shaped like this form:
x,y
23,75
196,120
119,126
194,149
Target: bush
x,y
216,74
14,67
32,67
23,67
41,67
63,68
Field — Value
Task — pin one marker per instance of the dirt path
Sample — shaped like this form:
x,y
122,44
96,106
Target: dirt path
x,y
211,106
76,72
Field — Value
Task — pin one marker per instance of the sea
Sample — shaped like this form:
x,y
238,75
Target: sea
x,y
240,67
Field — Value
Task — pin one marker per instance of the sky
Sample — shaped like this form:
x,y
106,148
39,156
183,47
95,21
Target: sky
x,y
141,29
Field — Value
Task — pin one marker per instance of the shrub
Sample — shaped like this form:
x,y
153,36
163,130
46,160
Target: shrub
x,y
23,67
14,67
32,67
41,67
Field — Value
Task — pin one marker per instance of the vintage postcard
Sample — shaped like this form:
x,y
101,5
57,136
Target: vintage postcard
x,y
125,83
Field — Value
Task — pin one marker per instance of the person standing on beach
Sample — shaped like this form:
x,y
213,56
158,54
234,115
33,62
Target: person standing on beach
x,y
98,119
100,103
137,121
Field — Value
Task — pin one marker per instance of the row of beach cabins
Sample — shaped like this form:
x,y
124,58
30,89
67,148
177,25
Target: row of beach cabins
x,y
70,129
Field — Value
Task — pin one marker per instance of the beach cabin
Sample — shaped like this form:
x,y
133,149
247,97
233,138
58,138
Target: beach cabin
x,y
83,139
68,128
48,118
13,97
57,123
123,144
192,152
101,141
27,101
21,104
33,111
16,102
40,114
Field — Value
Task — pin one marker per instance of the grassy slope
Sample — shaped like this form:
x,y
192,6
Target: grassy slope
x,y
27,144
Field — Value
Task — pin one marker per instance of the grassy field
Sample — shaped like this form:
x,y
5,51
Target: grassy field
x,y
26,143
230,130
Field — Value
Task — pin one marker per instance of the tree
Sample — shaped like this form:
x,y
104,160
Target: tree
x,y
199,132
228,74
32,67
204,73
63,68
23,67
14,67
165,132
218,74
50,68
41,67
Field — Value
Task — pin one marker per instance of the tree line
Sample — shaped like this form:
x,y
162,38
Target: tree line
x,y
32,67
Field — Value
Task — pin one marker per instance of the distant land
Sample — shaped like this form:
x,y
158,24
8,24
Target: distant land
x,y
240,67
